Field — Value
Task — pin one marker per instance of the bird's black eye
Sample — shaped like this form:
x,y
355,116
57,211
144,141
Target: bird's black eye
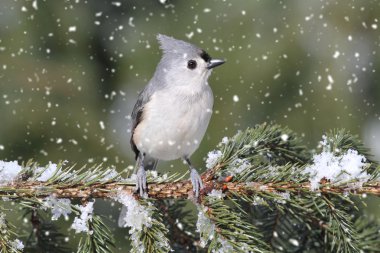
x,y
191,64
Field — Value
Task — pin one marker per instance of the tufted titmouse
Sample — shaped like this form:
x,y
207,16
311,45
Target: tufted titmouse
x,y
171,114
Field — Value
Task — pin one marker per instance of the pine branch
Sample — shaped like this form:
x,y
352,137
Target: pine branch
x,y
306,201
8,241
179,190
230,230
99,240
368,234
168,190
45,236
154,238
147,230
181,224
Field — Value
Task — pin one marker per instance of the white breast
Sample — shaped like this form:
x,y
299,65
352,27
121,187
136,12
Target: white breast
x,y
174,124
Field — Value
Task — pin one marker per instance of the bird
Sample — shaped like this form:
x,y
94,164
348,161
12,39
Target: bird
x,y
173,111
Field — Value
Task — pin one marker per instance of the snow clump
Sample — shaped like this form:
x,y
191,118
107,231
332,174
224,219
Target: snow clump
x,y
343,168
212,158
9,171
58,207
225,246
216,194
135,216
205,227
80,224
17,244
239,165
47,172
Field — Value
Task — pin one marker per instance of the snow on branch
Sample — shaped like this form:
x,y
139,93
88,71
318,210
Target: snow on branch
x,y
266,167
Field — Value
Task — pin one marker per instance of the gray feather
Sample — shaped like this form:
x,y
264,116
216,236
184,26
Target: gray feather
x,y
169,45
138,115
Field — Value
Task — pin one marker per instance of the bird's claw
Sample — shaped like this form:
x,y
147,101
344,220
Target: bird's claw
x,y
196,181
141,186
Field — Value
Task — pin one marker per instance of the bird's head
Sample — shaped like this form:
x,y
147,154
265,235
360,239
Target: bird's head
x,y
183,63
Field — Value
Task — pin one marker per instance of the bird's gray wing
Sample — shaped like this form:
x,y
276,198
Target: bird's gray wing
x,y
137,115
150,163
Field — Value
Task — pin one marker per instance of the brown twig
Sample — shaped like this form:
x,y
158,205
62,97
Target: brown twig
x,y
182,189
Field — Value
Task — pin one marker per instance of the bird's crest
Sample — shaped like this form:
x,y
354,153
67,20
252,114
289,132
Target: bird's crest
x,y
174,46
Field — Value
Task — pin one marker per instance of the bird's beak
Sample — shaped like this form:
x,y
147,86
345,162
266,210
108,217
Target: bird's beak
x,y
214,63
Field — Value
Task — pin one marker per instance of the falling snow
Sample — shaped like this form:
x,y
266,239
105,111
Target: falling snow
x,y
117,4
276,76
72,29
130,22
101,124
35,5
336,54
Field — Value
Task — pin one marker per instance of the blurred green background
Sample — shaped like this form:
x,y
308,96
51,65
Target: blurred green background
x,y
70,71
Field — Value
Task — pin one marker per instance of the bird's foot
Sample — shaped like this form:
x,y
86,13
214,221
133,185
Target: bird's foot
x,y
196,180
141,186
